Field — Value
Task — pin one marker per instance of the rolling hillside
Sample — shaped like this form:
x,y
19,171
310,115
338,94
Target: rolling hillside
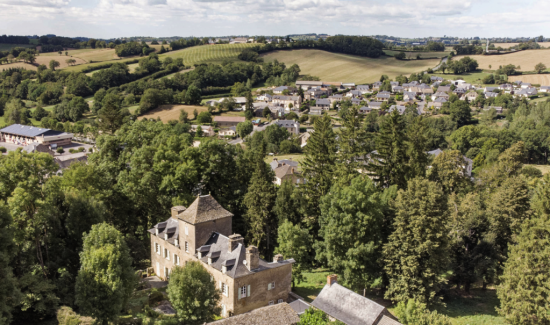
x,y
525,59
348,68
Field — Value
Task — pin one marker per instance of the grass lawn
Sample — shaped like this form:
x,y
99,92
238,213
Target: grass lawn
x,y
473,78
545,169
296,157
337,67
476,308
172,112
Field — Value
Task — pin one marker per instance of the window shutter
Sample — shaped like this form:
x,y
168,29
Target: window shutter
x,y
239,293
269,286
248,291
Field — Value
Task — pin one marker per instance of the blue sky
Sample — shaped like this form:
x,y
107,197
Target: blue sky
x,y
405,18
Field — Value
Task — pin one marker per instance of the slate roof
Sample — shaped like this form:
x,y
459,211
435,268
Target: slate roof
x,y
383,96
278,163
299,306
286,123
322,101
218,245
444,89
205,208
28,131
38,147
401,109
279,314
64,164
375,104
348,306
169,227
282,171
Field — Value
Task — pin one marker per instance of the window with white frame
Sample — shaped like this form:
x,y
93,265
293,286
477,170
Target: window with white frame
x,y
225,289
242,291
271,285
186,231
176,259
272,302
187,247
157,248
166,254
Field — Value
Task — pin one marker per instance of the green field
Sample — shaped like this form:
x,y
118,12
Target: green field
x,y
196,54
473,78
422,54
7,47
338,67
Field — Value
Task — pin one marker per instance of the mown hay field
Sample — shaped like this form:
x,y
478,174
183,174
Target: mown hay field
x,y
62,59
525,59
413,55
17,65
538,79
338,67
96,55
172,112
509,45
208,53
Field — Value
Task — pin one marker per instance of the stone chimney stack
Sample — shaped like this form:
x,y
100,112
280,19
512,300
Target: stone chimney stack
x,y
332,279
278,258
252,258
177,210
234,241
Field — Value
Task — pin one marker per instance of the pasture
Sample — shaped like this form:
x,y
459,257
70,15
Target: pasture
x,y
525,59
423,55
45,60
18,65
87,55
509,45
538,79
348,68
172,112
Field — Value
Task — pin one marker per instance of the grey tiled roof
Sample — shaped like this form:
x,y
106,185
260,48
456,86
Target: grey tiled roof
x,y
205,208
299,306
348,306
169,227
219,244
27,131
279,314
322,101
277,163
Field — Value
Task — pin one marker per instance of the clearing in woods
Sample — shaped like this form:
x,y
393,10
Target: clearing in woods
x,y
348,68
172,112
509,45
537,79
525,59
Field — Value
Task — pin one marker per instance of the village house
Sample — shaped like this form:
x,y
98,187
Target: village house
x,y
349,85
286,101
401,109
365,110
293,127
23,135
383,96
435,78
490,89
276,314
228,132
355,101
440,95
238,40
506,87
375,105
434,105
525,85
342,304
207,130
397,89
276,163
279,90
315,93
287,172
364,89
316,111
335,98
471,96
491,95
265,98
354,94
443,89
203,232
308,84
427,91
409,96
544,89
228,121
304,137
526,92
467,169
376,85
498,109
323,103
330,84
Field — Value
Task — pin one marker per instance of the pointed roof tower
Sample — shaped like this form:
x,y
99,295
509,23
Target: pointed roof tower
x,y
205,208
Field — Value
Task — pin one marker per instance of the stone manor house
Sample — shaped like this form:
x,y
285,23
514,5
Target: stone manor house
x,y
203,232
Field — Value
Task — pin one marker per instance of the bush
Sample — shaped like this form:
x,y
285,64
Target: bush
x,y
60,150
531,171
3,150
90,149
72,150
81,149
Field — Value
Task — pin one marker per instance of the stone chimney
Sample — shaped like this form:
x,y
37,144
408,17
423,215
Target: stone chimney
x,y
278,258
177,210
234,241
252,258
332,279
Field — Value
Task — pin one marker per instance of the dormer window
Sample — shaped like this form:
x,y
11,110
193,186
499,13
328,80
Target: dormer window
x,y
224,269
176,242
156,231
165,236
209,261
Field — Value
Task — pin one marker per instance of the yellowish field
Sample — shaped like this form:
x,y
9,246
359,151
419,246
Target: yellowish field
x,y
525,59
59,58
539,79
172,112
207,53
508,45
348,68
18,65
86,55
413,55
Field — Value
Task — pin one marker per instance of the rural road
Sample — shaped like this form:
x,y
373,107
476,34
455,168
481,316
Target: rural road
x,y
440,63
